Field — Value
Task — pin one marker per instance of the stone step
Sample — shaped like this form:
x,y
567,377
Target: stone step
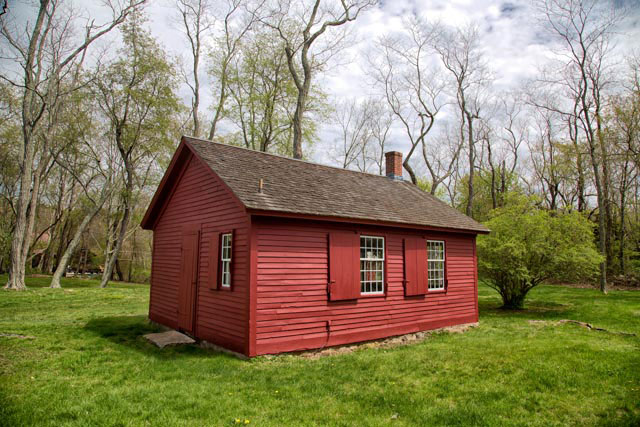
x,y
169,338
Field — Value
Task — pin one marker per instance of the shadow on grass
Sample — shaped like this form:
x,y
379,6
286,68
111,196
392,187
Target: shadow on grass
x,y
128,331
9,410
619,418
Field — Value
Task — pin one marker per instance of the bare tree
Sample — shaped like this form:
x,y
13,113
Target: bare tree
x,y
46,53
236,22
196,23
411,85
382,120
300,24
441,157
544,152
354,120
460,53
557,120
583,29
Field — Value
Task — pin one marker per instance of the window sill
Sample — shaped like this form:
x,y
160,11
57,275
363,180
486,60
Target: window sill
x,y
383,295
437,291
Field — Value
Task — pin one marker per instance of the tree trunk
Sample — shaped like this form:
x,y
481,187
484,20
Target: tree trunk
x,y
16,259
196,92
623,208
124,223
41,260
47,265
514,294
64,240
31,212
623,267
219,111
297,127
470,189
30,117
133,254
494,198
606,181
602,230
503,184
118,270
55,236
80,259
587,123
303,87
63,261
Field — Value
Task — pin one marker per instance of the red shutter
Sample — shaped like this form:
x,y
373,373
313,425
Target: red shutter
x,y
415,266
214,260
344,265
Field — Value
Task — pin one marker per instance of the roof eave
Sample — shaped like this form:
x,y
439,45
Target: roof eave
x,y
300,215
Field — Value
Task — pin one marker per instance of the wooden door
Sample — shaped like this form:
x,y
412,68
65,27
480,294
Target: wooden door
x,y
187,290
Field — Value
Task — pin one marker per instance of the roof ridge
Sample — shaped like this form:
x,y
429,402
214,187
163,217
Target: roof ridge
x,y
292,159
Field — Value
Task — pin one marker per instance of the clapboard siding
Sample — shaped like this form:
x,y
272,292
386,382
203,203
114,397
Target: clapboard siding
x,y
279,297
292,308
199,197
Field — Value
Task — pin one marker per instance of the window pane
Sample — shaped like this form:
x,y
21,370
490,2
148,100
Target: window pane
x,y
371,264
225,259
436,264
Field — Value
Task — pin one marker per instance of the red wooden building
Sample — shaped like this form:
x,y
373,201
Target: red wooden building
x,y
261,254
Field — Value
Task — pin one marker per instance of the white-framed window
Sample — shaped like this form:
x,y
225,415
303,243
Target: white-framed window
x,y
225,260
435,261
371,265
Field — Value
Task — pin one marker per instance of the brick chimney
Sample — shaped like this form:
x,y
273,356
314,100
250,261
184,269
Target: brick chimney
x,y
393,167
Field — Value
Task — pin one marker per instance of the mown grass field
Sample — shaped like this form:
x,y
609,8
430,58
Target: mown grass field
x,y
87,364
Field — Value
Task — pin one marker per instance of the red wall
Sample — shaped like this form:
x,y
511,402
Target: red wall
x,y
293,311
200,198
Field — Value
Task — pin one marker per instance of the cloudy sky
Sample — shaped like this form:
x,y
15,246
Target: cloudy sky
x,y
513,43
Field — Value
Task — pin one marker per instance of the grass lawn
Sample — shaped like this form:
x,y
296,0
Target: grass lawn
x,y
89,365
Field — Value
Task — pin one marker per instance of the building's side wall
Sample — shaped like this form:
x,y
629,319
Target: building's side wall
x,y
200,198
293,310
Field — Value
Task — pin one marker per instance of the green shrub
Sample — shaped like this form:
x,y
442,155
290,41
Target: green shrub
x,y
527,246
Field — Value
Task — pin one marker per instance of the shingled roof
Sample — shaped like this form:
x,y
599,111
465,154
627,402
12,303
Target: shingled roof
x,y
305,188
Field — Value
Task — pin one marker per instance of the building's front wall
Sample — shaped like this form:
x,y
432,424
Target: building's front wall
x,y
293,311
200,198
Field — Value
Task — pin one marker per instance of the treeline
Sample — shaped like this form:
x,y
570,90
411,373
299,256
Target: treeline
x,y
87,130
568,138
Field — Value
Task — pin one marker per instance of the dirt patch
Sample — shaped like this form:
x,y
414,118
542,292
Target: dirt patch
x,y
21,337
386,342
539,322
579,323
